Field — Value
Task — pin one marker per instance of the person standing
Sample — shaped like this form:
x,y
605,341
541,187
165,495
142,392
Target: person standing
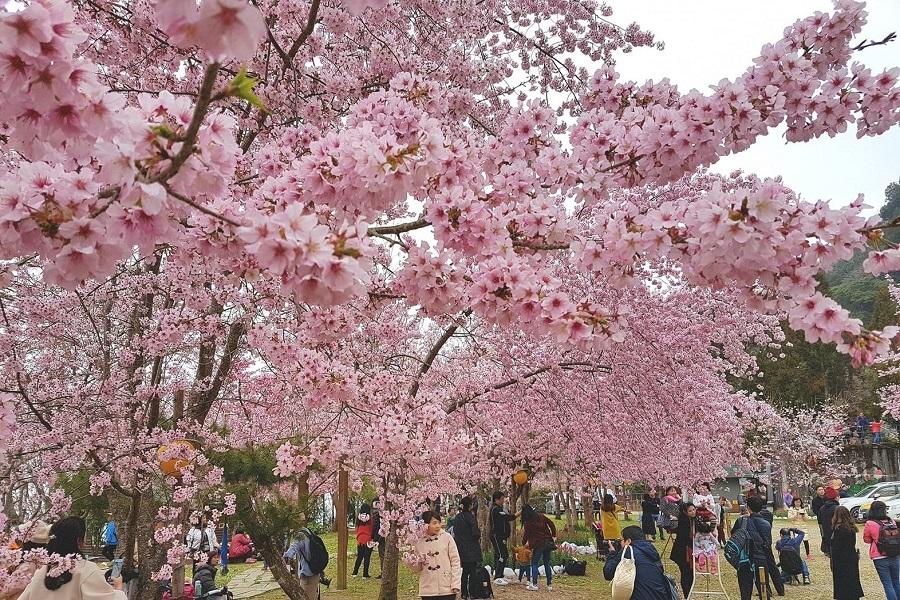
x,y
297,556
437,561
761,557
649,514
211,537
825,517
683,546
724,523
862,426
86,581
844,557
467,537
609,518
110,537
884,556
539,534
376,535
500,521
876,431
788,498
364,541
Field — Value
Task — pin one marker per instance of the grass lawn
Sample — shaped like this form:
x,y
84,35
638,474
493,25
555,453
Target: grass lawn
x,y
593,586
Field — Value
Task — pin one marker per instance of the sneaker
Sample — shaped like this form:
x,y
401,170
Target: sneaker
x,y
354,575
531,587
806,581
501,581
549,588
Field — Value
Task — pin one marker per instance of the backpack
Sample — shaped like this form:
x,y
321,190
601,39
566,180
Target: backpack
x,y
188,592
889,539
668,515
790,560
204,541
739,549
104,537
575,567
318,554
480,584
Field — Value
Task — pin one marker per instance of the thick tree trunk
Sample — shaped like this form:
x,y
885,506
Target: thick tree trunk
x,y
390,571
150,556
290,585
571,517
484,522
588,503
130,535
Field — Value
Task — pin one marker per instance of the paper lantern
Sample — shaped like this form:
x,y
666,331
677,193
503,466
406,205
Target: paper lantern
x,y
171,467
520,477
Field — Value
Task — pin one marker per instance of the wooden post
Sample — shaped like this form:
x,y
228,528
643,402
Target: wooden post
x,y
341,518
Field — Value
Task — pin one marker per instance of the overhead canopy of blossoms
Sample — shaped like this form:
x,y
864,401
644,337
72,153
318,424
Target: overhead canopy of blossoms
x,y
381,234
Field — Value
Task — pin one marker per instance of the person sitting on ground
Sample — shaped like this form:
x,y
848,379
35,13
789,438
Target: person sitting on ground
x,y
85,582
650,581
788,548
240,548
204,579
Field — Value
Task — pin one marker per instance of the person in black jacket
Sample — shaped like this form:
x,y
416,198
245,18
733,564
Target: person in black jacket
x,y
761,557
468,542
825,515
649,514
650,581
844,557
376,534
500,530
683,546
204,577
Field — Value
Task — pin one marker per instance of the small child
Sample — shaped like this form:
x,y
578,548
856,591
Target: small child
x,y
706,547
523,557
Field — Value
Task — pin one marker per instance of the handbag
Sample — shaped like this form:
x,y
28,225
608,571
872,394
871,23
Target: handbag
x,y
623,580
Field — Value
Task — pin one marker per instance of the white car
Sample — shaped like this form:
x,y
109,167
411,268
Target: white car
x,y
865,497
893,507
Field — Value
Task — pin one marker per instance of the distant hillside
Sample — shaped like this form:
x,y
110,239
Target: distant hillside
x,y
854,289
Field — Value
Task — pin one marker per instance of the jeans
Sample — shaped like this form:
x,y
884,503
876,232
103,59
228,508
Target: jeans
x,y
878,438
889,573
538,556
501,555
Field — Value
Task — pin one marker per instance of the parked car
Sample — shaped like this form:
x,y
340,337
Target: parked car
x,y
893,508
865,497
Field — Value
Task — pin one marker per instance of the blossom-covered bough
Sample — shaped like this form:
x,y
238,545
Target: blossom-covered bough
x,y
387,235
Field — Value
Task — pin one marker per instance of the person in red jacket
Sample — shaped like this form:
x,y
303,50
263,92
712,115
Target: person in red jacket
x,y
364,540
240,548
539,534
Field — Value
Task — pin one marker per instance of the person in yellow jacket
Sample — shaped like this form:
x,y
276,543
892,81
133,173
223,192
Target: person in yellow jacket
x,y
609,518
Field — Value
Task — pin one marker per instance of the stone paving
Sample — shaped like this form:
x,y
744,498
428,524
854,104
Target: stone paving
x,y
252,582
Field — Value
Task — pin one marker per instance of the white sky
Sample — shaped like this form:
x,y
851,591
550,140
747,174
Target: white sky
x,y
707,40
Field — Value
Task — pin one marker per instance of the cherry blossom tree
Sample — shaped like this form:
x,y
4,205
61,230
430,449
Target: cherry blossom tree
x,y
380,235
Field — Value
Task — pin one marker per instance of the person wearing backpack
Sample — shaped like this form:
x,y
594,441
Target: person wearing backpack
x,y
756,548
468,543
650,581
309,555
883,536
844,556
110,538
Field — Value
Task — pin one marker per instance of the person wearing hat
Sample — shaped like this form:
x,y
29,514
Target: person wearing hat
x,y
825,515
36,536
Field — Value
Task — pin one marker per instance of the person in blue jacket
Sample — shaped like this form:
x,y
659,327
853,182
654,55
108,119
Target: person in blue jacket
x,y
650,582
110,538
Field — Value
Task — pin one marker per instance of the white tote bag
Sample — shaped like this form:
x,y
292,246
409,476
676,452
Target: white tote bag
x,y
623,580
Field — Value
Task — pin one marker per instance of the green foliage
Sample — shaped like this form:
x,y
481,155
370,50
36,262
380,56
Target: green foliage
x,y
247,465
77,486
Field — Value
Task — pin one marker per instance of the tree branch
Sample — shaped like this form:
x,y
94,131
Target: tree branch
x,y
399,228
432,354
